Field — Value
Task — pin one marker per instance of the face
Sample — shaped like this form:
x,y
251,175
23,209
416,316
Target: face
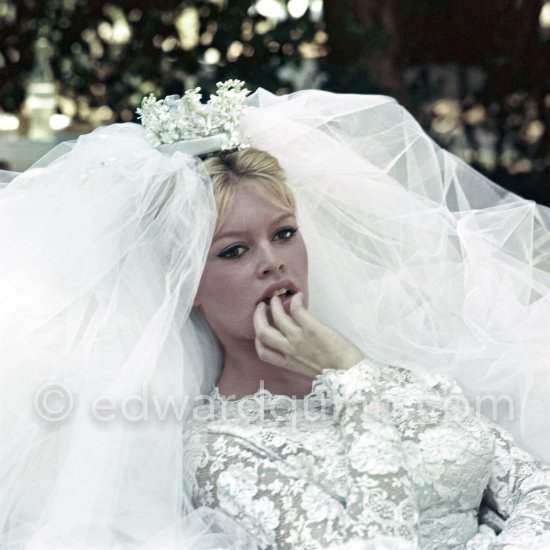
x,y
257,251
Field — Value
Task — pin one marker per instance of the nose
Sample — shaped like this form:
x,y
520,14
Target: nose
x,y
269,262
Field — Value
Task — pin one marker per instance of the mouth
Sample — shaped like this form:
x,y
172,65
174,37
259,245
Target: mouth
x,y
284,289
282,293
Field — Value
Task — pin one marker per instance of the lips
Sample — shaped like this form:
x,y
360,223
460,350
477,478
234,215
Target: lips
x,y
281,288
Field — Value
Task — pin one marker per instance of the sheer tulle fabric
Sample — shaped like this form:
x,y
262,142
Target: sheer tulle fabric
x,y
420,259
102,247
416,257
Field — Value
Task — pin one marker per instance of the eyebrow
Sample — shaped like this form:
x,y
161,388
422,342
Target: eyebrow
x,y
239,233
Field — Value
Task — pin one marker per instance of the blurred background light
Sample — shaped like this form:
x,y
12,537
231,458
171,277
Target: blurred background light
x,y
187,24
60,122
316,9
8,122
212,56
297,8
234,51
117,32
544,17
272,9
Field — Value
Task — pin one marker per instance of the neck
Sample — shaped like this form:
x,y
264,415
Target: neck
x,y
244,373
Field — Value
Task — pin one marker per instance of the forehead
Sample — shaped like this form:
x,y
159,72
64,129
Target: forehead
x,y
249,209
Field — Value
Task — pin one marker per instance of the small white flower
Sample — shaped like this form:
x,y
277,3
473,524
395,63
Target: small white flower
x,y
173,118
276,486
265,512
370,452
318,505
302,462
237,486
261,520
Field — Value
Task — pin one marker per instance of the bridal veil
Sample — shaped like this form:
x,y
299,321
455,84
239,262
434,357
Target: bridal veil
x,y
416,257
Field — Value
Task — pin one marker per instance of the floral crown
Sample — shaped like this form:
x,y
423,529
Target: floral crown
x,y
185,124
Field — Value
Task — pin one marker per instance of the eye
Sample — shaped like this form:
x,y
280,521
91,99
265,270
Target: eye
x,y
232,252
285,233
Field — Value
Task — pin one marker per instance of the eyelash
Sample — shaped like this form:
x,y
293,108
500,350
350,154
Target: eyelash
x,y
226,254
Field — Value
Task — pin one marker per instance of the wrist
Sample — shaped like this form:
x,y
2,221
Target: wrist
x,y
352,356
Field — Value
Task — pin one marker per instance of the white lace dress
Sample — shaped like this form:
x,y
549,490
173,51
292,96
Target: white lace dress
x,y
371,452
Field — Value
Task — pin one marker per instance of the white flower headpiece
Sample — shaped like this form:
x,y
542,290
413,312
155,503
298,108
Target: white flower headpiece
x,y
185,124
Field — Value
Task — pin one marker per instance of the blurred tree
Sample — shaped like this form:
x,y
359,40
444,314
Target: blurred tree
x,y
109,55
476,75
364,47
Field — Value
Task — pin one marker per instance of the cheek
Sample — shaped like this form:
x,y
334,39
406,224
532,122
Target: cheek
x,y
300,256
225,299
219,288
211,285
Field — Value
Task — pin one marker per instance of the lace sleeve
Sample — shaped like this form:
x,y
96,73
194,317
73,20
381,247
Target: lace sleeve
x,y
519,491
283,509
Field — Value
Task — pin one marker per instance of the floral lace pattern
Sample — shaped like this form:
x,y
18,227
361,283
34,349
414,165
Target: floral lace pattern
x,y
374,451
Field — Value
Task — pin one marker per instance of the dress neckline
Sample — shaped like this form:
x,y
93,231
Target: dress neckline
x,y
265,399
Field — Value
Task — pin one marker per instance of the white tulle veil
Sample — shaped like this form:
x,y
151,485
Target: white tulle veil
x,y
413,255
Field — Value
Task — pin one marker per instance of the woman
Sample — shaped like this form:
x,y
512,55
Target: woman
x,y
414,257
230,291
333,468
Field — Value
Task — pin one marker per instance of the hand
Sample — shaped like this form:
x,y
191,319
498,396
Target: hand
x,y
299,342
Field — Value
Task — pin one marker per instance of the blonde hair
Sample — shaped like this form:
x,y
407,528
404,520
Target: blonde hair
x,y
257,169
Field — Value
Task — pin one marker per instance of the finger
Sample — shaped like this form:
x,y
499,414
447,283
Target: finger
x,y
303,318
266,333
277,359
259,319
298,312
282,321
269,355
